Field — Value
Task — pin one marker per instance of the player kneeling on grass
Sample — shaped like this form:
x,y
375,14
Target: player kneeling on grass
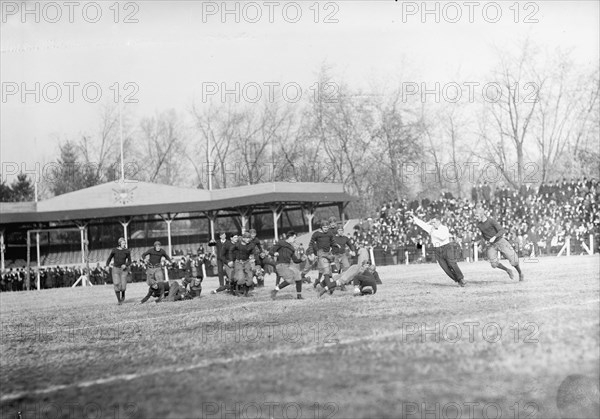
x,y
164,291
493,233
285,255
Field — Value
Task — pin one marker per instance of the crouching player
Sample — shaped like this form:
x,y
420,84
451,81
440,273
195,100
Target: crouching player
x,y
285,255
365,283
195,287
164,290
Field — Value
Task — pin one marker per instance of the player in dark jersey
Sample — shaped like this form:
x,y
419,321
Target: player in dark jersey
x,y
493,234
154,270
341,258
226,255
122,260
365,283
165,290
286,260
244,254
195,287
320,245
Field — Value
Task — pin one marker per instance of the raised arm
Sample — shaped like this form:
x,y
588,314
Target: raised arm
x,y
422,224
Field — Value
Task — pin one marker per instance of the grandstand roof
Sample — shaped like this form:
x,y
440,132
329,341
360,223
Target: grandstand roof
x,y
116,199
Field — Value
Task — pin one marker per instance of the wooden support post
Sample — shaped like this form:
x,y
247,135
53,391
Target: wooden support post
x,y
39,262
309,213
212,217
125,223
27,278
169,219
475,252
83,278
244,212
2,250
277,210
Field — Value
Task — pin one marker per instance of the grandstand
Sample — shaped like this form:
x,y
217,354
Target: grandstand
x,y
183,219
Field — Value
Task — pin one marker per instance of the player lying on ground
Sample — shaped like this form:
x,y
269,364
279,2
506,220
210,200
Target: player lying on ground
x,y
493,234
365,283
165,290
195,287
363,269
122,260
285,255
446,251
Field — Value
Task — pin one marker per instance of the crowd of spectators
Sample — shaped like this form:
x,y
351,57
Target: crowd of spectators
x,y
14,279
539,218
535,218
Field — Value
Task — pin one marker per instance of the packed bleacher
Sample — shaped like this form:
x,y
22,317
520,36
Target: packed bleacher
x,y
535,218
65,276
538,219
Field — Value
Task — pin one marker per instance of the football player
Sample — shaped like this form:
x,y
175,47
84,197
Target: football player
x,y
286,260
493,234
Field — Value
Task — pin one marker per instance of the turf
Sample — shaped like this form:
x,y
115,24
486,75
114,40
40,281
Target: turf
x,y
421,347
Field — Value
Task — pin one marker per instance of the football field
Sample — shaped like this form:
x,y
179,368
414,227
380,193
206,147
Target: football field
x,y
421,347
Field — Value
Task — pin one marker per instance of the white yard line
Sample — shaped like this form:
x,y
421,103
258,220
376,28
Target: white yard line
x,y
204,364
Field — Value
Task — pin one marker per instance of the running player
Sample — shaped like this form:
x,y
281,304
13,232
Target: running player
x,y
341,258
493,234
286,260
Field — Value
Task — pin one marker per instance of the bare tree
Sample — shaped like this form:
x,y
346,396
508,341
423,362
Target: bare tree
x,y
567,106
161,143
511,110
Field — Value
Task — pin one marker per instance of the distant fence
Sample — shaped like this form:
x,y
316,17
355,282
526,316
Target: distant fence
x,y
472,252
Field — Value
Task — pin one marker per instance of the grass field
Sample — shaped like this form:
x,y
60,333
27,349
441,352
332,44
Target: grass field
x,y
421,347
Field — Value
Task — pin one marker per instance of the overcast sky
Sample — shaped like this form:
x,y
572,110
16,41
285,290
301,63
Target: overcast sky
x,y
174,47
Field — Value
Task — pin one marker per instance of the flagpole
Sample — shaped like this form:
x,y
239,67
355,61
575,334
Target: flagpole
x,y
121,142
